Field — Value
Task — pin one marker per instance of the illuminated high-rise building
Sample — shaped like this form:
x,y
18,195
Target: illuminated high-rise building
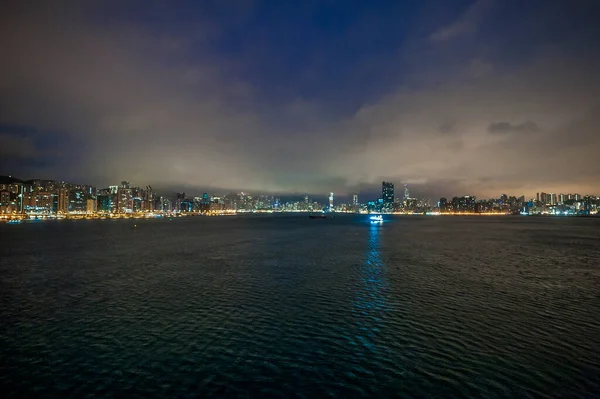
x,y
330,201
148,199
5,202
464,204
78,201
124,200
180,197
44,202
387,194
63,200
27,198
167,205
355,200
91,206
406,193
443,204
103,203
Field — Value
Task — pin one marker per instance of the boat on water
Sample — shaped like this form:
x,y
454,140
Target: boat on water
x,y
319,216
14,221
376,218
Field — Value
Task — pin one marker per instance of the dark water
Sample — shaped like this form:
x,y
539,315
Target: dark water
x,y
292,307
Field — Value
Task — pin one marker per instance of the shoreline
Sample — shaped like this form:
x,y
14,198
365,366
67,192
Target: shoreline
x,y
15,219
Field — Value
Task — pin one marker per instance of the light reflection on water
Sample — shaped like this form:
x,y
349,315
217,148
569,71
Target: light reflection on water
x,y
371,304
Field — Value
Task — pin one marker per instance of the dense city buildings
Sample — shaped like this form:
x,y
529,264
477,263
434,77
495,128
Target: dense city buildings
x,y
53,199
387,194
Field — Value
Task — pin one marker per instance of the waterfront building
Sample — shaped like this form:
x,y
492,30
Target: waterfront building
x,y
148,199
44,203
464,204
138,204
387,195
91,206
443,205
187,205
5,202
124,199
62,200
77,201
104,203
371,206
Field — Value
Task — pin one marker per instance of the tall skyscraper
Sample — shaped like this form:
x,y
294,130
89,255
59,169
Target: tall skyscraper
x,y
355,200
103,203
443,204
91,205
330,201
63,200
4,202
124,200
78,201
406,193
148,199
387,194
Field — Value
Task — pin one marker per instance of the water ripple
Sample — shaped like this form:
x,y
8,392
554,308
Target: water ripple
x,y
285,307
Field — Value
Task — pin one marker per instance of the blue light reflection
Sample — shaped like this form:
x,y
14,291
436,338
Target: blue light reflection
x,y
370,306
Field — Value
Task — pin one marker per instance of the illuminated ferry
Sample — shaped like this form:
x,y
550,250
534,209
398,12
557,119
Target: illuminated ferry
x,y
376,218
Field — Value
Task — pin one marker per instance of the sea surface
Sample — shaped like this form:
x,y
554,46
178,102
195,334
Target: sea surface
x,y
288,307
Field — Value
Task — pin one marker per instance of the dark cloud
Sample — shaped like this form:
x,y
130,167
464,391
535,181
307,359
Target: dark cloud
x,y
16,146
448,127
506,127
467,23
185,99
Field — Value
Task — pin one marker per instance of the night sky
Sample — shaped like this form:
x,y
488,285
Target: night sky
x,y
452,97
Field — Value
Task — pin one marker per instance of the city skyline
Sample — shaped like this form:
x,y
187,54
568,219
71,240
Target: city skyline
x,y
374,192
58,199
304,96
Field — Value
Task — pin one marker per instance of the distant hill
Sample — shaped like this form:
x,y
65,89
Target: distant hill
x,y
9,180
